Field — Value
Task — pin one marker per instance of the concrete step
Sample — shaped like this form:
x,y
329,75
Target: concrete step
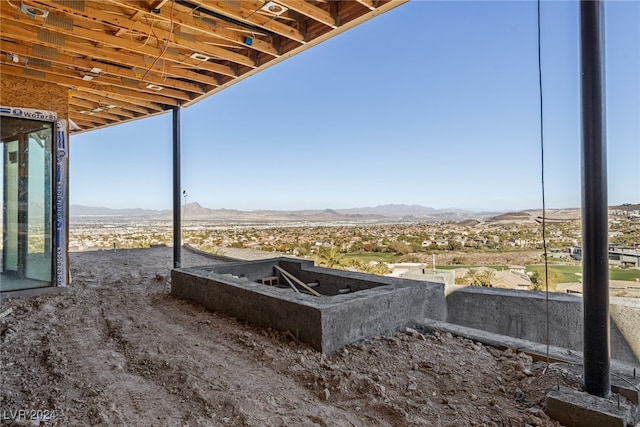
x,y
574,408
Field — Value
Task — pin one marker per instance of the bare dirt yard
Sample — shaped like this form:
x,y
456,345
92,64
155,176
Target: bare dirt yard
x,y
117,349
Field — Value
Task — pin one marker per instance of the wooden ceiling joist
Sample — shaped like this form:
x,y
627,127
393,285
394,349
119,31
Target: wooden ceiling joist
x,y
130,45
126,59
248,13
112,109
122,103
138,64
59,75
87,65
311,11
203,25
118,23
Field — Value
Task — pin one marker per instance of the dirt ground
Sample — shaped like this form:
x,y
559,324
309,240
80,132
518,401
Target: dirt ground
x,y
117,349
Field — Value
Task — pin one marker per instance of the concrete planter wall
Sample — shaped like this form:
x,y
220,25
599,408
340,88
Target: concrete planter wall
x,y
375,306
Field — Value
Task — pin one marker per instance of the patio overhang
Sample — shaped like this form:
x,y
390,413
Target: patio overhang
x,y
123,60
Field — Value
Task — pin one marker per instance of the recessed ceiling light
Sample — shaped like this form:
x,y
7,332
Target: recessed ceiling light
x,y
34,12
154,87
97,109
274,8
96,70
87,77
199,56
88,113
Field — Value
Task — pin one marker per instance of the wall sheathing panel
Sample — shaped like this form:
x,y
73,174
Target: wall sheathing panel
x,y
27,93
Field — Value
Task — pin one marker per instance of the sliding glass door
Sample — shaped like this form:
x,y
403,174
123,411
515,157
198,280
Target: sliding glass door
x,y
27,203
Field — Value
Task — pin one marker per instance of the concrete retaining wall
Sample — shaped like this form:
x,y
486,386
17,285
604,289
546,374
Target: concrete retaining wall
x,y
522,314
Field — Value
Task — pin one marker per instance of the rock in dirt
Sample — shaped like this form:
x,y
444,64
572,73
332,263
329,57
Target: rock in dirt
x,y
325,394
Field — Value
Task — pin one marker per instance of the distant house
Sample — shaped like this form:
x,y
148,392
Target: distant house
x,y
575,252
511,279
626,257
448,277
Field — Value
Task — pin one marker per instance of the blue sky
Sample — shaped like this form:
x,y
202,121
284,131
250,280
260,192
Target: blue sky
x,y
432,103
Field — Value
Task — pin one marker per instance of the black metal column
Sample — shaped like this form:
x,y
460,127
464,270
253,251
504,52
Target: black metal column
x,y
177,223
595,266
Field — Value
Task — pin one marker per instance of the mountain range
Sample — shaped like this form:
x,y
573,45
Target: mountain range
x,y
392,212
195,211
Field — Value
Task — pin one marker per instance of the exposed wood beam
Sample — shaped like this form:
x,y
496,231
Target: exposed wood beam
x,y
118,22
115,83
90,105
125,107
73,46
89,120
248,14
368,3
113,114
86,64
91,34
72,82
311,11
102,79
139,13
194,21
123,102
100,114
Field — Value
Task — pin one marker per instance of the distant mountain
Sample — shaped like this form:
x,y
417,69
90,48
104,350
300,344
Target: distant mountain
x,y
535,216
79,210
194,211
416,211
394,211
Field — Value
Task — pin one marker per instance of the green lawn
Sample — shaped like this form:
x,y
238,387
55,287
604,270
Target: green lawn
x,y
569,272
624,274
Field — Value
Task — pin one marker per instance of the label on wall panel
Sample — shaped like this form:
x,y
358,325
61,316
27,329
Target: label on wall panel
x,y
61,203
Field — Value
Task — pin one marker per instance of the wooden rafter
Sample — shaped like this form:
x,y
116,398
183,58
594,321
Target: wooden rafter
x,y
311,11
108,52
89,64
113,23
104,37
205,25
247,13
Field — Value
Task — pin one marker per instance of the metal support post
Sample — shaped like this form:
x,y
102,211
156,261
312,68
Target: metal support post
x,y
595,251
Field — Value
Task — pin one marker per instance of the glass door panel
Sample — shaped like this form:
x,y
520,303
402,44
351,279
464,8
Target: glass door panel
x,y
27,255
39,261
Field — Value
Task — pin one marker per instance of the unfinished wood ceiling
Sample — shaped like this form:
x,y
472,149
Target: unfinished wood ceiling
x,y
127,59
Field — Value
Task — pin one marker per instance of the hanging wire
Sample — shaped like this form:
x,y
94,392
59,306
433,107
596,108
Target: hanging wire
x,y
544,206
166,46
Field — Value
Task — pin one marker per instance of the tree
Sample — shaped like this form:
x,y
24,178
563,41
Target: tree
x,y
538,280
486,277
331,258
379,268
472,277
400,248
